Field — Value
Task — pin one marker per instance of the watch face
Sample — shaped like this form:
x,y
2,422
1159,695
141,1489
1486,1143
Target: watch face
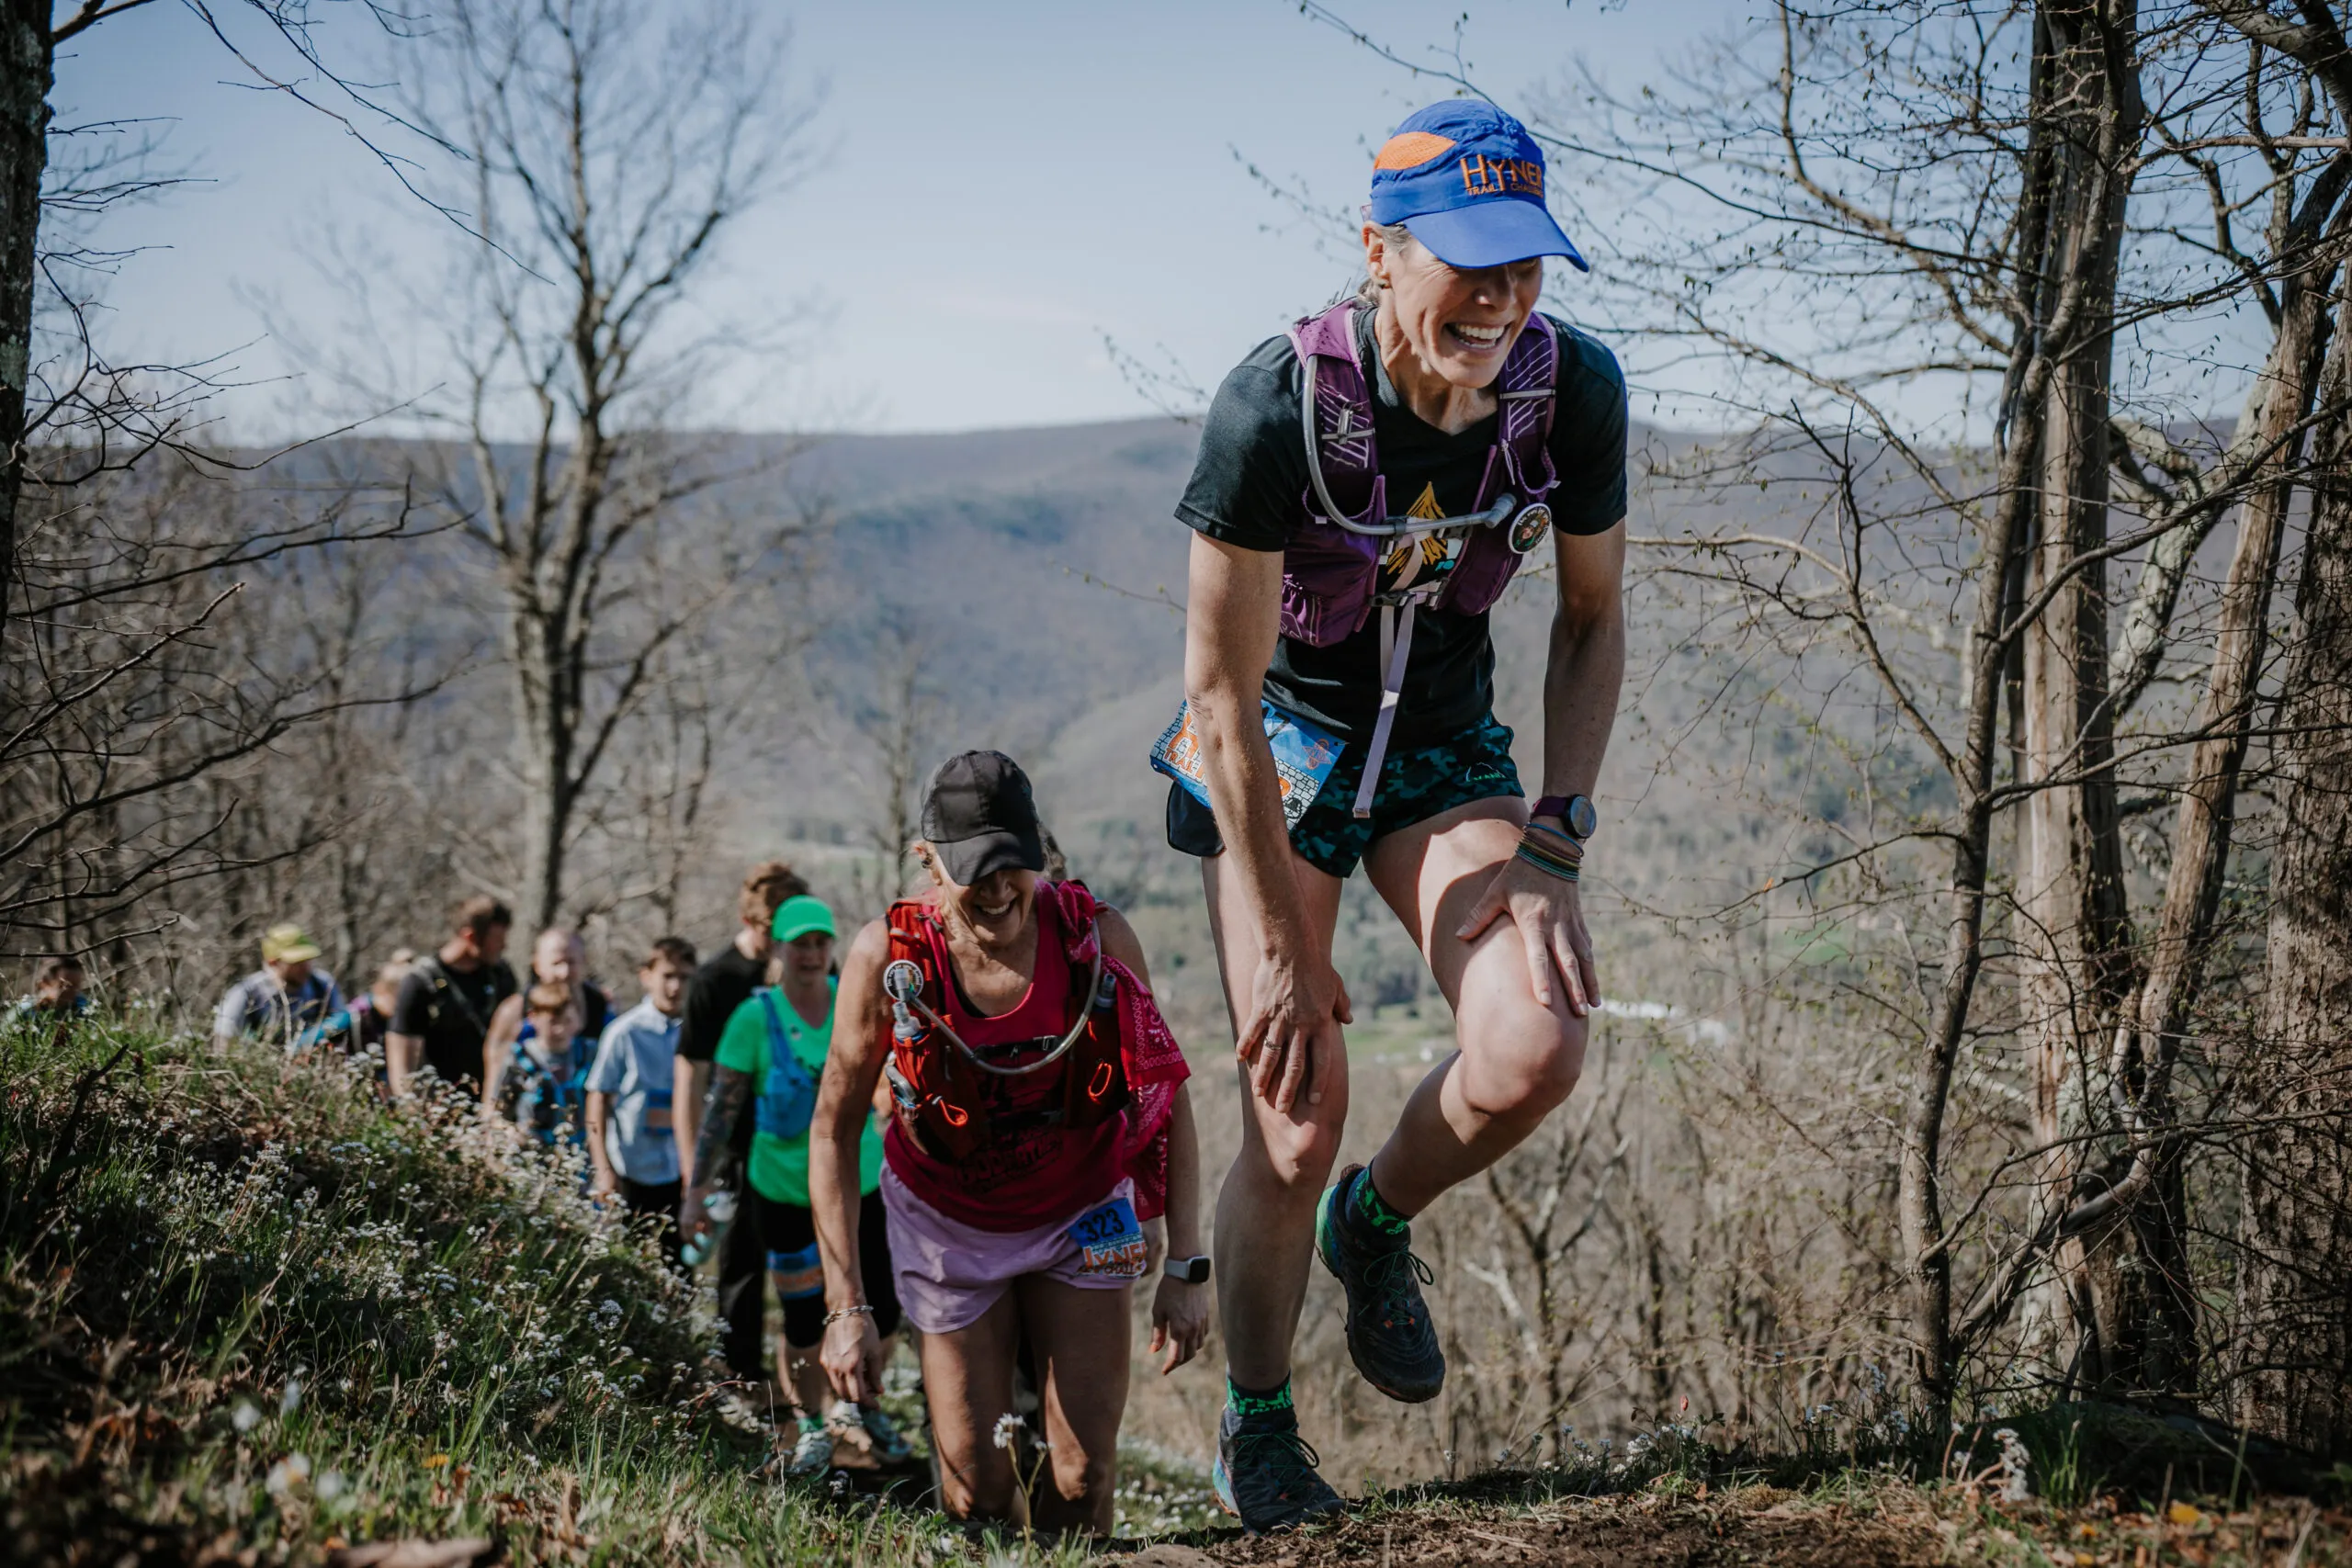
x,y
1582,819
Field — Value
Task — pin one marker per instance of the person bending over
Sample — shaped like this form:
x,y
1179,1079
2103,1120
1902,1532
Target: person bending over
x,y
769,1061
1366,487
1039,1112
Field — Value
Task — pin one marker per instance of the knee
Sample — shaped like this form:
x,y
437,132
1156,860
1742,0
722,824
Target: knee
x,y
1527,1064
1079,1476
966,1496
1300,1154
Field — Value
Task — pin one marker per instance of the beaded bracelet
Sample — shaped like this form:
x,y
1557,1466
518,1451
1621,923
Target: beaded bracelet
x,y
833,1317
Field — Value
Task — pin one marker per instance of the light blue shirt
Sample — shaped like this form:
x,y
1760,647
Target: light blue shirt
x,y
259,1005
635,1062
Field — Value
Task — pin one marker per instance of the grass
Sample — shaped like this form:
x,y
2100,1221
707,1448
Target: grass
x,y
246,1309
249,1314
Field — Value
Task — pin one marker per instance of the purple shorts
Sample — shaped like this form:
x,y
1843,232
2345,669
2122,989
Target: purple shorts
x,y
949,1273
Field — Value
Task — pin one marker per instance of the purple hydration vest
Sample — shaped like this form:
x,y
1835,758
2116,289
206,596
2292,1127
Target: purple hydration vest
x,y
1330,572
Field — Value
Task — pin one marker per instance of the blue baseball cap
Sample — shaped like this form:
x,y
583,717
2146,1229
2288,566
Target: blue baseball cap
x,y
1468,181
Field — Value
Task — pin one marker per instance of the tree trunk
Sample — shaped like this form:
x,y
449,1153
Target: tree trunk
x,y
2295,1265
2071,893
25,80
2157,1020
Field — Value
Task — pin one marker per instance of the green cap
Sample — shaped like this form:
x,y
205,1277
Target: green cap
x,y
798,917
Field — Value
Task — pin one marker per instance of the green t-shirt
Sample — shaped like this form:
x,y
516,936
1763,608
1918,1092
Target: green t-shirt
x,y
780,1166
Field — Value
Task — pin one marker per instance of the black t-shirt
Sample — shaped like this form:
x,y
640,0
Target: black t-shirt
x,y
450,1011
595,1009
1249,478
713,993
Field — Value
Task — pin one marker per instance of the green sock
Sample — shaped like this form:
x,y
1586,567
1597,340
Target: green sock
x,y
1366,1205
1249,1401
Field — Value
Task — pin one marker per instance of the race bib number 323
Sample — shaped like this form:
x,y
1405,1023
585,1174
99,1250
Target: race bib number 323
x,y
1110,1241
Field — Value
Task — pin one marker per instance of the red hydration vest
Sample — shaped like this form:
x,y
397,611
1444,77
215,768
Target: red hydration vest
x,y
937,1087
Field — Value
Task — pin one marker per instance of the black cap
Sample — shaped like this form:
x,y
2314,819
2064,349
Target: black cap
x,y
978,814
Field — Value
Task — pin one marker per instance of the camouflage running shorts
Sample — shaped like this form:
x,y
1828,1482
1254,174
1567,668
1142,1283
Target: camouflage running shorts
x,y
1415,785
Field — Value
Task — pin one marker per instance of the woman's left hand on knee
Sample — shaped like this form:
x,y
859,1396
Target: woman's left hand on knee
x,y
1549,916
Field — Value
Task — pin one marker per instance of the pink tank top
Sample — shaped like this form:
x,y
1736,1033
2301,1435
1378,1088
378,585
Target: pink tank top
x,y
1031,1171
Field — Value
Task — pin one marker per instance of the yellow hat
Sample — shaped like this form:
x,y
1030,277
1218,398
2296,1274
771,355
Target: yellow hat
x,y
288,944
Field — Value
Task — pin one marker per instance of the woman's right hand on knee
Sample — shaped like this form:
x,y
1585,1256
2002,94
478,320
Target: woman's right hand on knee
x,y
1291,1039
852,1358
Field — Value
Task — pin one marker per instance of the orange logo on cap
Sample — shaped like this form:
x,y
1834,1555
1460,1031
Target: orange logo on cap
x,y
1412,149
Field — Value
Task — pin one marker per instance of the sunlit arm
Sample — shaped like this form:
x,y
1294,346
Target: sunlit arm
x,y
498,1052
403,1053
852,1348
693,1082
1233,614
599,1112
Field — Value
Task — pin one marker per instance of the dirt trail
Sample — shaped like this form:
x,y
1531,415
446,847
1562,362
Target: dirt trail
x,y
1599,1533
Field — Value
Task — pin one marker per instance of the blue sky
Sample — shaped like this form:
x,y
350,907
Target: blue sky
x,y
950,299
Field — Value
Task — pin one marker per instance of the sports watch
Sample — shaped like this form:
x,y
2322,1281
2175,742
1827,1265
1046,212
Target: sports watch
x,y
1191,1270
1574,812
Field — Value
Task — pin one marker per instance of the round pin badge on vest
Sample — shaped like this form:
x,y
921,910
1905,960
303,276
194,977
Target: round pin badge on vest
x,y
1527,529
902,980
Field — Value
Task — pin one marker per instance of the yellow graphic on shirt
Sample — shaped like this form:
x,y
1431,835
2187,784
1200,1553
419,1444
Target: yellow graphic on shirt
x,y
1423,559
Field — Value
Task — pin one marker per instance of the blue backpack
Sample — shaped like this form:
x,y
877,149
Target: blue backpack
x,y
787,1101
550,1105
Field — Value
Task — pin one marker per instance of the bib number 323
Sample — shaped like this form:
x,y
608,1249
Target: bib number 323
x,y
1110,1241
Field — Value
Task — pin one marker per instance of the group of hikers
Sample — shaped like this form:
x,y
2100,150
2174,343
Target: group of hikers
x,y
972,1119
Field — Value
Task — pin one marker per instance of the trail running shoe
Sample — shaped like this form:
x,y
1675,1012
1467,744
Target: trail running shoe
x,y
1265,1475
883,1438
812,1453
1390,1336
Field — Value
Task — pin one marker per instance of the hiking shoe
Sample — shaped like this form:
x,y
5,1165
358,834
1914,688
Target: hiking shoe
x,y
883,1439
1390,1336
1265,1475
812,1453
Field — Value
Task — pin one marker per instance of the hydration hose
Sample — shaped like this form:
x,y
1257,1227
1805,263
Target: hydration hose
x,y
903,982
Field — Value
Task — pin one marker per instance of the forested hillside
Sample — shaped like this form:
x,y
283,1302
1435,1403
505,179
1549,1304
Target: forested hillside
x,y
1964,1135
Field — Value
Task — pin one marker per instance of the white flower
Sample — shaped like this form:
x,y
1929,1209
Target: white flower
x,y
330,1485
2014,1459
292,1400
1008,1429
244,1417
287,1473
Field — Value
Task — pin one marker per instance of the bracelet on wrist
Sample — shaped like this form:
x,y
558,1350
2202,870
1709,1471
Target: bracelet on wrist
x,y
1541,862
1550,849
1562,843
839,1313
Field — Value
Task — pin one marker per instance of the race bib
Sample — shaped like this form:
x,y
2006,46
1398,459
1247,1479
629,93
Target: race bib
x,y
1110,1242
1304,757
